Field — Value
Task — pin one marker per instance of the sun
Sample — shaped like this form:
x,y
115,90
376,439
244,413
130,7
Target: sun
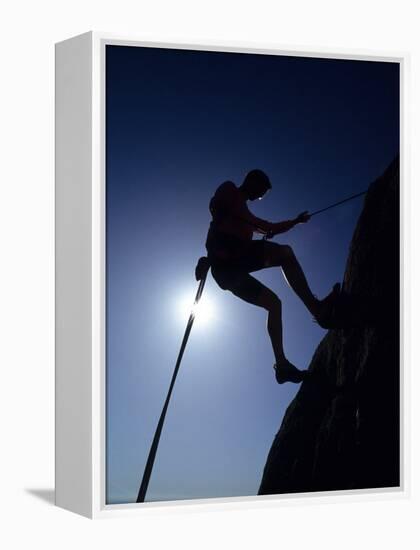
x,y
204,311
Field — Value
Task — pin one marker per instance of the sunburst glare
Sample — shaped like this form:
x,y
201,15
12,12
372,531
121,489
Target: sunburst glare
x,y
204,311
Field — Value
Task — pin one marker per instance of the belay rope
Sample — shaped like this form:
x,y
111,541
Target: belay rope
x,y
201,275
201,271
339,202
334,205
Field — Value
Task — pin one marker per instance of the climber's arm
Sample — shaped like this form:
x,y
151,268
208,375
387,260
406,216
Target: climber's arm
x,y
282,227
258,224
271,229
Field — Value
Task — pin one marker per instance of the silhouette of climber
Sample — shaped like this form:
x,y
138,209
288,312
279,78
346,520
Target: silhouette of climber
x,y
233,255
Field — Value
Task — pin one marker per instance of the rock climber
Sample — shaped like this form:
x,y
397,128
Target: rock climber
x,y
233,254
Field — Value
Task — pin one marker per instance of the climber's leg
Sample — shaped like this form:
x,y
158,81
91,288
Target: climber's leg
x,y
254,292
283,256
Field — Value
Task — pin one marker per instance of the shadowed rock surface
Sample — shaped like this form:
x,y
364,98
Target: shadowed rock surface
x,y
342,429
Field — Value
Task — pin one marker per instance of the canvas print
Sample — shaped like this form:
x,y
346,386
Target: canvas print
x,y
252,274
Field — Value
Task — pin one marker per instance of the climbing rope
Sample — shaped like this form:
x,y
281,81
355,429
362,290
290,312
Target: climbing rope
x,y
338,203
201,275
312,214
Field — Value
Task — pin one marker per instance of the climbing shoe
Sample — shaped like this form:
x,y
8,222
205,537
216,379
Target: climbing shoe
x,y
286,372
326,316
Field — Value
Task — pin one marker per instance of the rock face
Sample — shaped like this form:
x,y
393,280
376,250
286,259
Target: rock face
x,y
342,430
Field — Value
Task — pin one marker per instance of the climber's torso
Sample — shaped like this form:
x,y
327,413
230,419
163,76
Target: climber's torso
x,y
229,232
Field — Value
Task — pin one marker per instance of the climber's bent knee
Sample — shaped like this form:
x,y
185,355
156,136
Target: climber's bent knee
x,y
269,300
276,254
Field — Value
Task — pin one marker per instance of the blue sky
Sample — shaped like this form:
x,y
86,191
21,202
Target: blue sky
x,y
179,123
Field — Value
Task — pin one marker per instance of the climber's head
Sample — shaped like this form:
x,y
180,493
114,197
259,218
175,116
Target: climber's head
x,y
255,185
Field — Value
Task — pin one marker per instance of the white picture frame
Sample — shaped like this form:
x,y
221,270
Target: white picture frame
x,y
80,276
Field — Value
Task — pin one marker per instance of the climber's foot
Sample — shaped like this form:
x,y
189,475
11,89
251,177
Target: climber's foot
x,y
325,314
286,372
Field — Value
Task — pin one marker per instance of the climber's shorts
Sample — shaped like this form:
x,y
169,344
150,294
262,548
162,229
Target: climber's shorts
x,y
235,275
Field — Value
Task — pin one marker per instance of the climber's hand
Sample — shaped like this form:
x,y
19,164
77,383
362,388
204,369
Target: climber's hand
x,y
303,217
268,235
